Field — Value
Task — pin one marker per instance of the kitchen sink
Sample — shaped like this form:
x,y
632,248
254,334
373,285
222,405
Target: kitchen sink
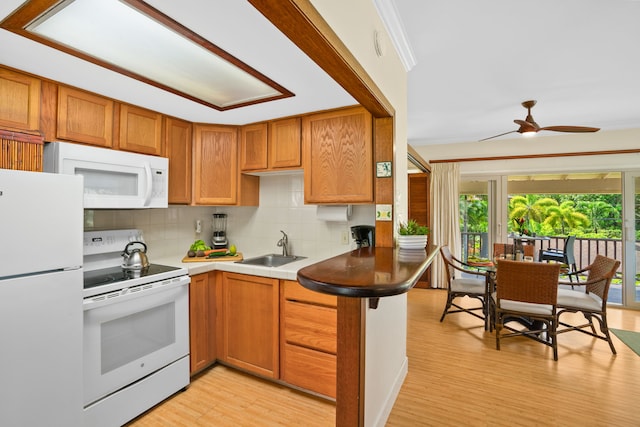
x,y
271,260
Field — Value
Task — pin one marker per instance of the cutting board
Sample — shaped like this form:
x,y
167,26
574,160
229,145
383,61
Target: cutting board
x,y
236,257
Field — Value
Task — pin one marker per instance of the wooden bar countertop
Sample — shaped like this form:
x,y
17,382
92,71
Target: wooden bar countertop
x,y
368,272
364,274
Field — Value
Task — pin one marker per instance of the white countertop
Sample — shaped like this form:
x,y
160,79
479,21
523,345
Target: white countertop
x,y
287,271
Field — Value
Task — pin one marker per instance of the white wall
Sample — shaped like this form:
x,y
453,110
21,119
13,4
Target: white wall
x,y
355,21
254,230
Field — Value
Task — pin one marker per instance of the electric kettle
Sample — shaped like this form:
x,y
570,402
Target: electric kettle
x,y
135,259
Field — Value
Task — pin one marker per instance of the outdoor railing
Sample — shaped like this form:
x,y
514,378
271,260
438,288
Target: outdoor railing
x,y
585,250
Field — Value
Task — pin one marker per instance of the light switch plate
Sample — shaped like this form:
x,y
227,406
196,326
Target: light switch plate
x,y
383,212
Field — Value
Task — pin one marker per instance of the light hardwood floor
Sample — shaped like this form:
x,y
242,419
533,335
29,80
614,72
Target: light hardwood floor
x,y
456,377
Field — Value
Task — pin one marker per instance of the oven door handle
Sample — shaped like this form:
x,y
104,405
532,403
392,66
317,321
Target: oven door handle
x,y
128,294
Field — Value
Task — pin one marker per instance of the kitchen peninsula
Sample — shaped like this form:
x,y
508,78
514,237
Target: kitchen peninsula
x,y
362,275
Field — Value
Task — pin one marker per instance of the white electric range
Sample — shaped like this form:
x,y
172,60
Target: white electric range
x,y
136,331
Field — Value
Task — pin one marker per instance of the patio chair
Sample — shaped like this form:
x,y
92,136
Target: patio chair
x,y
502,249
590,298
526,292
465,280
564,256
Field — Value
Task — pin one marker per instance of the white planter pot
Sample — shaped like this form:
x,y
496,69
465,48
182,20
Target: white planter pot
x,y
412,242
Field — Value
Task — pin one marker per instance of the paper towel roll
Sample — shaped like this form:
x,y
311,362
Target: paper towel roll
x,y
337,213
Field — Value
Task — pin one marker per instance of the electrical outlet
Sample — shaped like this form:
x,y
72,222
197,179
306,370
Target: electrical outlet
x,y
198,226
344,238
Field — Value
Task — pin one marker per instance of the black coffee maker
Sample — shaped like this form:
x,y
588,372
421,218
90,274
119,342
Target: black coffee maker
x,y
364,235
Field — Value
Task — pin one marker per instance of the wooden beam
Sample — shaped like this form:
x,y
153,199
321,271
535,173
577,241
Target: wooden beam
x,y
538,156
304,26
383,152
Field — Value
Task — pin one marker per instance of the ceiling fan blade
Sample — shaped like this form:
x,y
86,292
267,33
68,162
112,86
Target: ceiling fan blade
x,y
570,129
526,126
495,136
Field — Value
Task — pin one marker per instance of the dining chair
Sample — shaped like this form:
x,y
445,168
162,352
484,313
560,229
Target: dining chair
x,y
563,256
590,298
526,292
464,280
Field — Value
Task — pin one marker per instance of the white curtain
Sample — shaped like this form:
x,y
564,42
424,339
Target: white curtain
x,y
446,217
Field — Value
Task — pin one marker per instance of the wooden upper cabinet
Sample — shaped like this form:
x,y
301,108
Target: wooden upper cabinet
x,y
178,146
19,101
140,130
215,165
285,149
216,177
253,146
84,117
338,157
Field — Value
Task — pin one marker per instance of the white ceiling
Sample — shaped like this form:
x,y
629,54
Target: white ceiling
x,y
476,62
234,26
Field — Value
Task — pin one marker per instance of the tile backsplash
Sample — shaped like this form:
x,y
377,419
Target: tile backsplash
x,y
254,230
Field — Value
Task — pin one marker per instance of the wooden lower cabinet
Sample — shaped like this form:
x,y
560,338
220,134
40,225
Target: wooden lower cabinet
x,y
202,321
250,323
308,339
273,328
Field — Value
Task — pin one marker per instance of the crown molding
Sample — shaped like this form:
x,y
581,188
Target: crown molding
x,y
391,19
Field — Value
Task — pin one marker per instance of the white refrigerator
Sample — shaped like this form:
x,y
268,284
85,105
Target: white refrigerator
x,y
41,231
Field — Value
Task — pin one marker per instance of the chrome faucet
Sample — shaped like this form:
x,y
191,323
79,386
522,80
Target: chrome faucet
x,y
284,242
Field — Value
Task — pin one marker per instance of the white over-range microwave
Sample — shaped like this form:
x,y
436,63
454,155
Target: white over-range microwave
x,y
112,179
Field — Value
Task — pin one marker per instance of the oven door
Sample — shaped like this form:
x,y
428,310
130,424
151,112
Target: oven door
x,y
132,333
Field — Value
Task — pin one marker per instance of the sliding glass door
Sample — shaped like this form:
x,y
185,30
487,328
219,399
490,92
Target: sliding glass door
x,y
631,216
482,209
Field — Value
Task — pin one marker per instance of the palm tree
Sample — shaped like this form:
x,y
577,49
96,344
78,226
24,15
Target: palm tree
x,y
598,211
565,215
530,207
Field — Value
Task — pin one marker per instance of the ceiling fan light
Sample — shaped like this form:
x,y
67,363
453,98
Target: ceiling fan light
x,y
529,133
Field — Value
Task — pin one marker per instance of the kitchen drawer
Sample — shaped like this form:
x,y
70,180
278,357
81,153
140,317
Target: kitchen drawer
x,y
310,369
310,326
294,291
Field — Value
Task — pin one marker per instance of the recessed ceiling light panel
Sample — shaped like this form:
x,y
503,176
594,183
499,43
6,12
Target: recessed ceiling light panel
x,y
137,40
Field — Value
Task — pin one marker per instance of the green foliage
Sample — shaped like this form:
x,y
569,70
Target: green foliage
x,y
412,228
527,212
601,214
565,217
582,215
473,213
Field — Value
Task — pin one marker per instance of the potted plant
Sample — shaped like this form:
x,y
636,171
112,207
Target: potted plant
x,y
412,235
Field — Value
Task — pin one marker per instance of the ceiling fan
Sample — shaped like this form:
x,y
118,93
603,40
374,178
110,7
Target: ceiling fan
x,y
529,125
